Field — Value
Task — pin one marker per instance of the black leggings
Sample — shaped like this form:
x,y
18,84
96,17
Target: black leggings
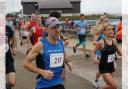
x,y
55,87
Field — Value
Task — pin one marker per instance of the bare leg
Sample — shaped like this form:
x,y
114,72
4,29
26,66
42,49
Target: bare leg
x,y
97,75
11,79
76,45
110,81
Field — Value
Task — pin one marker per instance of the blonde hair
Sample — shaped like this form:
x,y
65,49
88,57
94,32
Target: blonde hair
x,y
106,25
102,17
98,29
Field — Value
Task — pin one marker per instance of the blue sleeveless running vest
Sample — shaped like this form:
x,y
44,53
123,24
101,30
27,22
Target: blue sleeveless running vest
x,y
53,57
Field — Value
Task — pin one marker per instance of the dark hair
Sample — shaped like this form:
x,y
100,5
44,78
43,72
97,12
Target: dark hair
x,y
29,17
81,14
9,15
120,18
55,14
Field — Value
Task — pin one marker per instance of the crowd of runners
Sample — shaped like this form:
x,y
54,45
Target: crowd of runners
x,y
45,44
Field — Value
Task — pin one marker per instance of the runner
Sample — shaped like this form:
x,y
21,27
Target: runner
x,y
119,32
58,16
32,23
108,47
97,37
24,34
43,21
10,50
53,57
36,31
9,20
81,27
67,24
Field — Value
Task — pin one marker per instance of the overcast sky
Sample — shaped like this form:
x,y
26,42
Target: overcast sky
x,y
125,7
87,6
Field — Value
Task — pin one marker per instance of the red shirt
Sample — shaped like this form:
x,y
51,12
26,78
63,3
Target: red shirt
x,y
119,31
119,26
32,24
38,33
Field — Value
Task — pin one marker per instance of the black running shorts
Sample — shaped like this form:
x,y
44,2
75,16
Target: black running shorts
x,y
55,87
9,63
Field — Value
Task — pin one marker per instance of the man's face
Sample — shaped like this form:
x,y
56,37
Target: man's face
x,y
54,32
9,18
82,17
33,17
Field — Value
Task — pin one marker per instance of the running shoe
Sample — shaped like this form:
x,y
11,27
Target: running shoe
x,y
87,55
96,85
21,43
74,49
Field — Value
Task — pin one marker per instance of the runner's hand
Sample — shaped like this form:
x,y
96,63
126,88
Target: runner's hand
x,y
96,61
14,51
30,46
47,74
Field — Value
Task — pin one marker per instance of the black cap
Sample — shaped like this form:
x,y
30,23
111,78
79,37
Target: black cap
x,y
55,14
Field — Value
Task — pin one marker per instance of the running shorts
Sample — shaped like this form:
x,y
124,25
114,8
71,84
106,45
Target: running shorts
x,y
55,87
9,63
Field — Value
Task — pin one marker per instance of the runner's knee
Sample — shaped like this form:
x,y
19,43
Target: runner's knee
x,y
114,85
11,83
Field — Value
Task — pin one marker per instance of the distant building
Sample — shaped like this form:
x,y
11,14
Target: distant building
x,y
66,7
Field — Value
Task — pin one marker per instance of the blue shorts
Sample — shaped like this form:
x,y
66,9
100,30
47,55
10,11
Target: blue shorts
x,y
82,39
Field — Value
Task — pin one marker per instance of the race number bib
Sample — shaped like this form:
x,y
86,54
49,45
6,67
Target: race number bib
x,y
111,58
82,30
56,60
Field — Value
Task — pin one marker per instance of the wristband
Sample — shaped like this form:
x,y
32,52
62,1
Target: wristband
x,y
68,62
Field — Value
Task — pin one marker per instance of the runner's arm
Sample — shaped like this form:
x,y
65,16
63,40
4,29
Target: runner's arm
x,y
117,47
14,44
31,57
30,33
14,41
27,63
95,39
68,62
97,46
62,37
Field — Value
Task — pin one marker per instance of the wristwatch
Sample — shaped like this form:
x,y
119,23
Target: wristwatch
x,y
68,62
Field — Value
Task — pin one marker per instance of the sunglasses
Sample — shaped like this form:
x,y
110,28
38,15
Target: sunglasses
x,y
56,27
